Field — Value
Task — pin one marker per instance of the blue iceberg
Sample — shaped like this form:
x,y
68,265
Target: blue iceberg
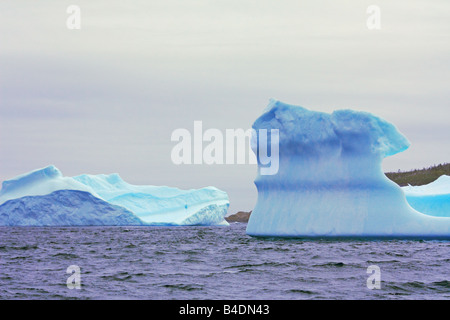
x,y
432,199
65,208
44,197
330,182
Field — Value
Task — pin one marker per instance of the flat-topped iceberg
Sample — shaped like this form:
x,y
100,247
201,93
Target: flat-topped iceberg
x,y
330,181
44,197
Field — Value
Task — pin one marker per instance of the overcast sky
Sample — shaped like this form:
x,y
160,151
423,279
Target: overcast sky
x,y
107,97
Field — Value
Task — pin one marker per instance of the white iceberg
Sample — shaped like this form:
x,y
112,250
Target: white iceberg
x,y
45,197
330,181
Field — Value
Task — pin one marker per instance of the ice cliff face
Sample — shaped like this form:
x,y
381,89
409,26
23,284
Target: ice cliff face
x,y
330,181
46,197
64,208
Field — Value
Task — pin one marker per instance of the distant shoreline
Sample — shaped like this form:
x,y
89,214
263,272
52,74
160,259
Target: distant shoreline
x,y
241,216
415,177
419,177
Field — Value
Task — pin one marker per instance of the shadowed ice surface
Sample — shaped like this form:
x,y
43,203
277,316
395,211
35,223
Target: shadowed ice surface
x,y
213,263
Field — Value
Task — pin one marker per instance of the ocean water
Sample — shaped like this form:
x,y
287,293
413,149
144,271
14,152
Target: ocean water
x,y
214,263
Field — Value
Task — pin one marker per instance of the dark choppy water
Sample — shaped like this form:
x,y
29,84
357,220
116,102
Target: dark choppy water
x,y
213,263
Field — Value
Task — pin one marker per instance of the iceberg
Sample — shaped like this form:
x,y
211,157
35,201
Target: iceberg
x,y
432,199
330,181
44,197
161,204
65,208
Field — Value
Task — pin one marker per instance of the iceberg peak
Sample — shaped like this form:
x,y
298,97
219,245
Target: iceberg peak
x,y
346,130
40,182
35,176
